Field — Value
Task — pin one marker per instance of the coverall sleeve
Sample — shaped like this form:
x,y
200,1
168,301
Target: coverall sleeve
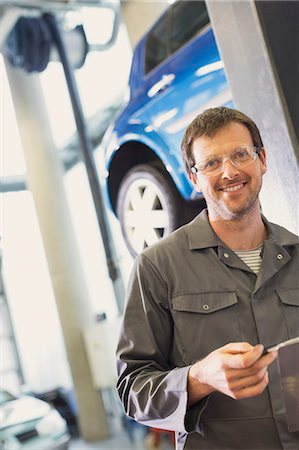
x,y
152,391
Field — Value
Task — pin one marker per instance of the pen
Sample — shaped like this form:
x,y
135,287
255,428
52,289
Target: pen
x,y
282,344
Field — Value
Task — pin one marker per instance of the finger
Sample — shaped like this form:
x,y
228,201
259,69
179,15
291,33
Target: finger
x,y
237,347
247,381
269,357
242,360
251,391
263,361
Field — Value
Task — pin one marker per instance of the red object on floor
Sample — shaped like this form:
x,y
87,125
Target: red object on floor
x,y
157,433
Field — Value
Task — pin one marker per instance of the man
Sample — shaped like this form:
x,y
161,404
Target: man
x,y
205,302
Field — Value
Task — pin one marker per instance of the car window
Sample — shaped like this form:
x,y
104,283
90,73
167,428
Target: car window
x,y
187,19
181,23
156,45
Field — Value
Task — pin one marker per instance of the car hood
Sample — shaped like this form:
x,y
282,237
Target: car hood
x,y
22,410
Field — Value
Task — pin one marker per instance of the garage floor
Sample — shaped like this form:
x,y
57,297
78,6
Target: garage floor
x,y
114,443
125,433
120,442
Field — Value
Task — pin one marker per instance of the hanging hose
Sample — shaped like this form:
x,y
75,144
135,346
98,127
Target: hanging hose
x,y
85,144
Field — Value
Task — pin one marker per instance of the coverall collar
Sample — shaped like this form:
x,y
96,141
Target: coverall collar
x,y
201,235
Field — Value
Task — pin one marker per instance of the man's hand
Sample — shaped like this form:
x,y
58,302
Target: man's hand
x,y
238,370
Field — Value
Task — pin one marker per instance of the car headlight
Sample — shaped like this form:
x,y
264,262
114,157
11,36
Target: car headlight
x,y
52,423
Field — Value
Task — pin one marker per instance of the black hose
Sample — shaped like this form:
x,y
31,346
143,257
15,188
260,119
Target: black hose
x,y
86,147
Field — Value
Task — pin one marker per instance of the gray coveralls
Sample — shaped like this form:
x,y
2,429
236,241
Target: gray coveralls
x,y
188,295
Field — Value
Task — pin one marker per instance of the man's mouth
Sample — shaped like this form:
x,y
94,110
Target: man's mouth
x,y
234,188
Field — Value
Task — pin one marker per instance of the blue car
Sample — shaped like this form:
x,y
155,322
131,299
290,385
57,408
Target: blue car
x,y
176,73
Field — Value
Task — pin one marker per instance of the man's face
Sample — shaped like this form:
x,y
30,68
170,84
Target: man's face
x,y
234,192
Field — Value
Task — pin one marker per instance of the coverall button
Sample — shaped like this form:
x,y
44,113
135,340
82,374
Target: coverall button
x,y
226,255
206,307
279,256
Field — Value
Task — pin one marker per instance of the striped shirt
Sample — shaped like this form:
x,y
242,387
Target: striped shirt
x,y
252,258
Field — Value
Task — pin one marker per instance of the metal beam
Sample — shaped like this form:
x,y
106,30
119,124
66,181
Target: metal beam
x,y
257,91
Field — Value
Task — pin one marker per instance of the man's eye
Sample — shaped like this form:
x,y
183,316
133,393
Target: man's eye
x,y
212,164
242,153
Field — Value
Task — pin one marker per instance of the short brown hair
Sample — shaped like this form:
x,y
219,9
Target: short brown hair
x,y
208,123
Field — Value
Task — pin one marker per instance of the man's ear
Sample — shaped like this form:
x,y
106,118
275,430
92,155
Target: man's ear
x,y
263,160
194,180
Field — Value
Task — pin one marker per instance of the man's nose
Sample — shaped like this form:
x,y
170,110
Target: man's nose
x,y
228,169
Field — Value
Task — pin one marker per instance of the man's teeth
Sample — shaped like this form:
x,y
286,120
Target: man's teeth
x,y
233,188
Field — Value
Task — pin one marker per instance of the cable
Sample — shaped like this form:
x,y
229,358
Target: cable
x,y
86,147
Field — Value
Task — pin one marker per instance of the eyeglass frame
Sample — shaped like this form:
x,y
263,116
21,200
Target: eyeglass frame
x,y
255,151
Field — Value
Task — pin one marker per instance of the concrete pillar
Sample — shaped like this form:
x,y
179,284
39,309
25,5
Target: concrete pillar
x,y
256,89
45,181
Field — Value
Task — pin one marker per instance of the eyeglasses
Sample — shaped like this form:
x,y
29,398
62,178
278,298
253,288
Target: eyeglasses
x,y
239,157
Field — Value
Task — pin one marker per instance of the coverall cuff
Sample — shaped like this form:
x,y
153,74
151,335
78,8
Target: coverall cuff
x,y
193,416
193,413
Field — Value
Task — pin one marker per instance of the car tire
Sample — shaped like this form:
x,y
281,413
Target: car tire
x,y
148,207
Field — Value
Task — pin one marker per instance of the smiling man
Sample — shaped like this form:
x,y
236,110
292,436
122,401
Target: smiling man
x,y
231,181
205,302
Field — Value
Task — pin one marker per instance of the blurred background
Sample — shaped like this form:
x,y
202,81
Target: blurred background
x,y
66,246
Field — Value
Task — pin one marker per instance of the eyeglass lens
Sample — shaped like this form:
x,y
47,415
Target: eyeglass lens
x,y
239,157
